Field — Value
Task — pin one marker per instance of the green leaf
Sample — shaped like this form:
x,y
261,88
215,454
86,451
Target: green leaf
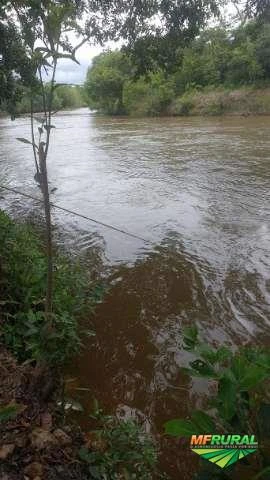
x,y
181,428
8,412
239,366
213,356
24,140
190,337
247,374
263,359
84,454
207,353
227,396
204,422
255,375
223,353
203,369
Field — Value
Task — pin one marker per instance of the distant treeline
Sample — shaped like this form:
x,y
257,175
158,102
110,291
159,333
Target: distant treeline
x,y
65,97
218,59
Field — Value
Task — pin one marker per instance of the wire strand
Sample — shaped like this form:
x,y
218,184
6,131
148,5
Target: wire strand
x,y
72,212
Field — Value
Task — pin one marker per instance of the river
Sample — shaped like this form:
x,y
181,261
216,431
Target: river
x,y
198,190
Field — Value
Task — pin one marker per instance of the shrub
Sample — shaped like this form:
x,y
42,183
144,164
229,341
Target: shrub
x,y
121,449
240,399
262,49
149,96
23,272
105,81
182,106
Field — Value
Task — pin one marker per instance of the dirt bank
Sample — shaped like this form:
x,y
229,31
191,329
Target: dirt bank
x,y
33,442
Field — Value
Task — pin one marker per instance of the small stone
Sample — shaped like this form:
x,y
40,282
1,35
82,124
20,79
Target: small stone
x,y
34,470
41,439
6,450
62,437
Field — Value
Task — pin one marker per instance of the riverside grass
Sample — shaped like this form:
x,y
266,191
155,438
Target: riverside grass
x,y
245,101
22,288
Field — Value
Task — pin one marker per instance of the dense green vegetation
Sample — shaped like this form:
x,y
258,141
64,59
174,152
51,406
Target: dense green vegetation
x,y
65,97
218,58
126,451
22,286
14,62
240,401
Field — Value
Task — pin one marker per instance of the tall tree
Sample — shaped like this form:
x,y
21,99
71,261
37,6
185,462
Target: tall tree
x,y
258,8
44,28
15,65
151,28
247,9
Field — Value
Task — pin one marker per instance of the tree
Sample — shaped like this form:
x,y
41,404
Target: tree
x,y
248,9
105,81
258,9
47,22
178,24
149,95
15,65
263,49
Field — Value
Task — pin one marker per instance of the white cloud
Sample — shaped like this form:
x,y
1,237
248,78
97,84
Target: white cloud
x,y
70,72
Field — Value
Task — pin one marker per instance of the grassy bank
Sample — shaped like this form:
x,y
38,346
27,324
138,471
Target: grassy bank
x,y
23,282
222,101
37,441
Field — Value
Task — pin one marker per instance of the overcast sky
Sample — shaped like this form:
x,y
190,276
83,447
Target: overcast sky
x,y
70,72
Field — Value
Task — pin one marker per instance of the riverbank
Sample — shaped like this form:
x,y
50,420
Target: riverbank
x,y
38,439
34,442
242,101
221,101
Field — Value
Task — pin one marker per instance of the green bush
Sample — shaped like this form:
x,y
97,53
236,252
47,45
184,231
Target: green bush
x,y
239,402
243,66
23,270
65,97
262,50
121,449
105,81
183,105
149,96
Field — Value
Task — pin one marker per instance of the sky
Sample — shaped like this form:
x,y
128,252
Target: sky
x,y
71,72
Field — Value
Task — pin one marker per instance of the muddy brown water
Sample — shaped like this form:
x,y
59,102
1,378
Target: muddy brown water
x,y
199,190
